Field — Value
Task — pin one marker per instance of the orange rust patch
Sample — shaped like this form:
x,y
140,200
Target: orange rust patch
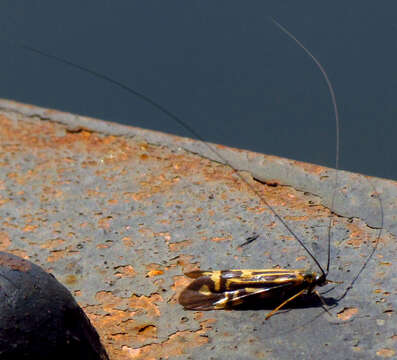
x,y
386,353
52,243
21,253
4,241
180,282
286,237
221,239
146,332
136,331
357,236
184,261
56,255
127,241
95,193
154,270
125,271
177,344
147,304
165,235
3,200
108,300
29,228
152,273
104,223
310,168
70,279
102,246
118,327
385,263
347,313
301,258
179,245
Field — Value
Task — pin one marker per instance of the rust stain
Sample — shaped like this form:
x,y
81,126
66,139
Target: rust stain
x,y
3,200
154,270
102,246
116,320
386,353
179,245
165,235
185,262
29,228
70,279
286,237
310,168
176,344
146,304
125,271
358,235
56,255
180,282
4,241
127,241
104,223
347,313
21,253
301,258
147,332
52,243
385,263
221,239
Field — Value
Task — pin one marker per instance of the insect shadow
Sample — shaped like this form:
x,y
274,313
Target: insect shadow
x,y
302,302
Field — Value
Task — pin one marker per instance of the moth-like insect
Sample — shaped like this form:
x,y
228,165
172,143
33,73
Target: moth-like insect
x,y
227,289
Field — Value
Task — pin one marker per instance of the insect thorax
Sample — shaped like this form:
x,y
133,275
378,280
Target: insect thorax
x,y
313,279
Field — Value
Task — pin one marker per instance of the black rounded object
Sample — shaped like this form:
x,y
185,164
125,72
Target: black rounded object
x,y
39,318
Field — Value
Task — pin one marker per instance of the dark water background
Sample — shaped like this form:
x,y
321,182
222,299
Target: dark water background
x,y
223,67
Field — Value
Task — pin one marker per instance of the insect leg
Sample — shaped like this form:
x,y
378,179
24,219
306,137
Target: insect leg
x,y
284,303
324,305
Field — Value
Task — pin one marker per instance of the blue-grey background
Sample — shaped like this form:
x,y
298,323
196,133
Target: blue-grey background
x,y
223,67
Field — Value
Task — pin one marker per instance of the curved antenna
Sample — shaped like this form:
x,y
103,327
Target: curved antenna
x,y
336,112
182,124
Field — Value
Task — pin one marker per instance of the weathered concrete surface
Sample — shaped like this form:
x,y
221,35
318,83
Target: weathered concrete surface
x,y
117,214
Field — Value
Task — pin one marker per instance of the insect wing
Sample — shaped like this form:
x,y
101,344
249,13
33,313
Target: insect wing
x,y
230,288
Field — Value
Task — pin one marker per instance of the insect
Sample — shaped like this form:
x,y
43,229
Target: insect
x,y
233,288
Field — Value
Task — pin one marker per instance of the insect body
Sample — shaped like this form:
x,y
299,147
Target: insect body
x,y
226,289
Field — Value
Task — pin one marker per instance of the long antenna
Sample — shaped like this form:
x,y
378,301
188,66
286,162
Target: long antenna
x,y
190,129
336,112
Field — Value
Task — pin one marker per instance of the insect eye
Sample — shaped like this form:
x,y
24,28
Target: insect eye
x,y
310,276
